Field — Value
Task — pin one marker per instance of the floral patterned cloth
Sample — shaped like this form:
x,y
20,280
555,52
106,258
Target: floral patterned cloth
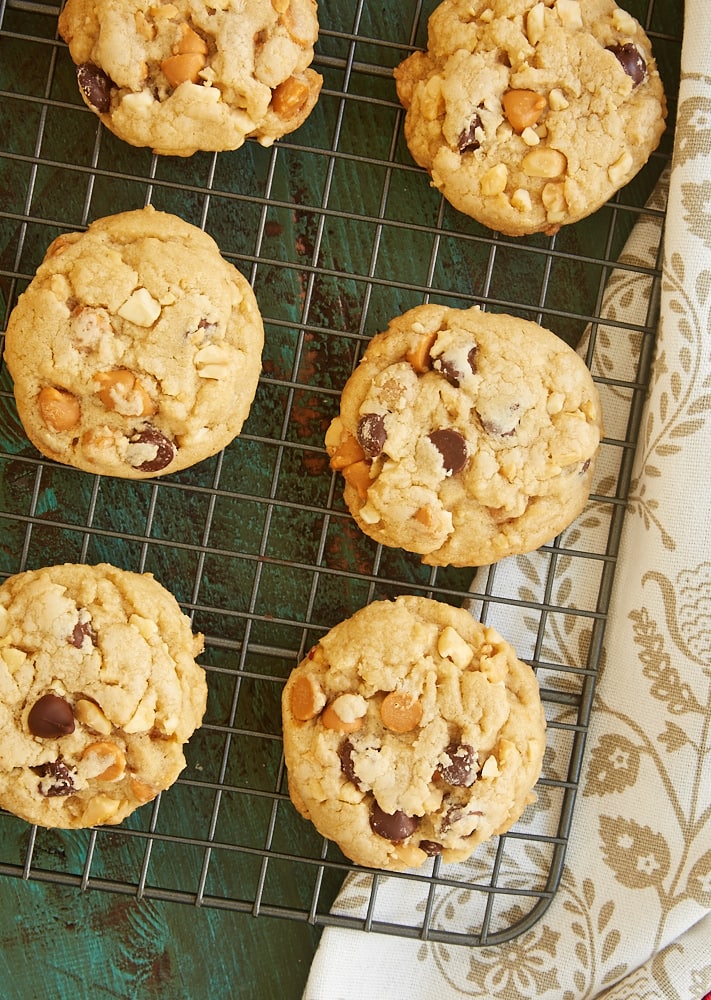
x,y
632,915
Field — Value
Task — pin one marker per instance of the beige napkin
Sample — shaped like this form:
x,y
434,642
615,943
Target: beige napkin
x,y
632,915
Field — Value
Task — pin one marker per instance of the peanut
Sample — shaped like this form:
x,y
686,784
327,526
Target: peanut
x,y
121,391
59,409
142,791
452,646
345,714
494,180
290,97
91,716
400,712
298,20
109,757
543,161
419,355
183,67
306,698
99,809
523,108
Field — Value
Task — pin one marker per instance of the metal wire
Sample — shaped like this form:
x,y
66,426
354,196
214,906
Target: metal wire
x,y
337,231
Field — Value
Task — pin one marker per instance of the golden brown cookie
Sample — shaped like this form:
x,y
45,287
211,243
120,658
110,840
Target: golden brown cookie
x,y
528,114
411,731
136,349
99,692
184,75
466,436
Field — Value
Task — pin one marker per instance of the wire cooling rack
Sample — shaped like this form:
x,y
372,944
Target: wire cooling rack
x,y
337,231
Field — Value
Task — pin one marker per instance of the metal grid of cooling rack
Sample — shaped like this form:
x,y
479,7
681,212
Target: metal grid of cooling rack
x,y
337,231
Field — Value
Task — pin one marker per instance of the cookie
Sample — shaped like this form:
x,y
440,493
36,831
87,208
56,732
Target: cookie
x,y
412,730
99,692
466,436
136,349
529,115
186,75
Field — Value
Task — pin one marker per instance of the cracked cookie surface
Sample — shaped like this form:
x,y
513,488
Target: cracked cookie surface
x,y
99,692
136,349
527,114
411,731
184,75
466,436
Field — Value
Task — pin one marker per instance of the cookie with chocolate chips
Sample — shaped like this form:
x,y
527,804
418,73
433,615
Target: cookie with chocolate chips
x,y
411,730
136,349
99,692
184,75
466,436
529,115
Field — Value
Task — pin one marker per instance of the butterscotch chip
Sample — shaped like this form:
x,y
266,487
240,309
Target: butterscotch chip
x,y
102,649
483,448
136,351
574,80
188,75
447,751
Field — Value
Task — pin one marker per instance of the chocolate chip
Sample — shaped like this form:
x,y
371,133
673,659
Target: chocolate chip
x,y
430,847
452,447
460,770
584,467
164,449
467,141
451,370
371,434
395,826
80,631
96,86
60,779
345,753
50,717
505,424
631,61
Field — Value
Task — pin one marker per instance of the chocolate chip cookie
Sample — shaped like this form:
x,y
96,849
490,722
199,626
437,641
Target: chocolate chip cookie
x,y
136,349
99,692
185,75
411,730
528,114
466,436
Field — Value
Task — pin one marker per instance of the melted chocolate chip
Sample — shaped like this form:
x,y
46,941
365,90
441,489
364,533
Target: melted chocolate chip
x,y
452,447
345,753
96,86
467,141
80,631
164,449
50,717
395,826
430,847
460,770
371,434
505,424
449,367
631,61
57,779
